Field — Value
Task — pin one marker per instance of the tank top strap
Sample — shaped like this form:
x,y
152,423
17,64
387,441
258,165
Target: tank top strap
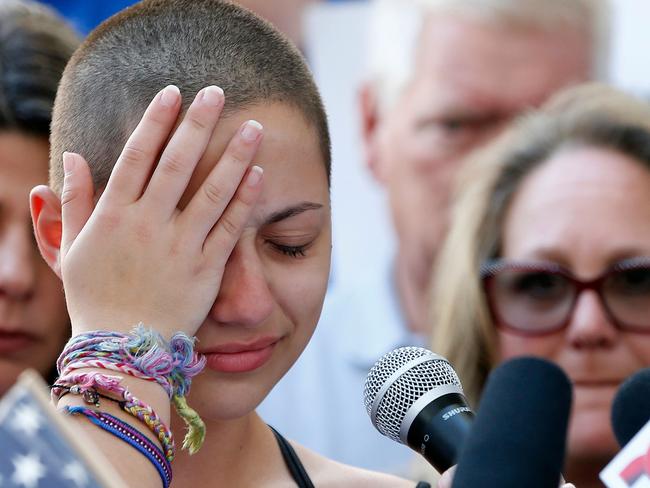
x,y
291,459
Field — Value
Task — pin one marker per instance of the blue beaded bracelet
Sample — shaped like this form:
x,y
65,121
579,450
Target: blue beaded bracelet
x,y
131,436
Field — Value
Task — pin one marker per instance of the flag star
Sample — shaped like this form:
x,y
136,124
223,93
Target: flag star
x,y
27,420
76,473
27,470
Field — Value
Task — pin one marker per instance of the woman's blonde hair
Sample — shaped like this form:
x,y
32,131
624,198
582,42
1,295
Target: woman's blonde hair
x,y
592,115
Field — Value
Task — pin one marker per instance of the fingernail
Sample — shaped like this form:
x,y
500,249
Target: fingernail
x,y
69,162
251,130
169,95
212,95
254,176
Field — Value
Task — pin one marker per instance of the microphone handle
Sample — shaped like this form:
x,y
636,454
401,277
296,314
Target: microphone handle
x,y
439,430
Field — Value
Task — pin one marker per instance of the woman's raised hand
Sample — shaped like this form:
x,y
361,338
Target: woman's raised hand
x,y
135,257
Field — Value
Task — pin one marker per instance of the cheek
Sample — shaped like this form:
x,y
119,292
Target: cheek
x,y
301,292
639,345
590,435
512,345
50,296
417,159
9,371
48,313
399,149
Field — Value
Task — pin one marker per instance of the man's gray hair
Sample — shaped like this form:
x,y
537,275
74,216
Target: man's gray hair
x,y
396,25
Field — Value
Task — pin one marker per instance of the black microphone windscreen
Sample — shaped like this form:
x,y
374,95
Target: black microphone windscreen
x,y
519,434
631,407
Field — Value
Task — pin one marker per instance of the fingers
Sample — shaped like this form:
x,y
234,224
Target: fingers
x,y
447,478
225,234
184,150
76,198
216,192
132,170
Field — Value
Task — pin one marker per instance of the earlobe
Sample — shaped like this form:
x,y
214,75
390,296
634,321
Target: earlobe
x,y
45,208
369,110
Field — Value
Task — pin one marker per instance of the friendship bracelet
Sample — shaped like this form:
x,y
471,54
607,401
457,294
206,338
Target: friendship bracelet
x,y
144,354
87,385
104,360
91,397
131,436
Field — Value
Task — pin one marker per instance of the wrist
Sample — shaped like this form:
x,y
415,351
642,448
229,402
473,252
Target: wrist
x,y
150,392
142,357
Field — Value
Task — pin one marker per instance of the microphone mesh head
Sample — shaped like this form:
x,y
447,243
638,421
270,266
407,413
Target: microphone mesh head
x,y
404,390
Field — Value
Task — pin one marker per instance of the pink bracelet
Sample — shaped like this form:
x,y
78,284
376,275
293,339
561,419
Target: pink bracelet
x,y
93,385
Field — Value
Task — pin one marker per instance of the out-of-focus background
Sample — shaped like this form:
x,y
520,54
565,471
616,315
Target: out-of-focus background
x,y
333,38
335,44
332,34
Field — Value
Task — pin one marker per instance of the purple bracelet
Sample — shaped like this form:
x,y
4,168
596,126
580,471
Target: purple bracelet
x,y
131,436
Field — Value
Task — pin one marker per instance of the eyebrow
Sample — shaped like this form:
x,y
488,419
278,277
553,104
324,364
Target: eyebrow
x,y
291,212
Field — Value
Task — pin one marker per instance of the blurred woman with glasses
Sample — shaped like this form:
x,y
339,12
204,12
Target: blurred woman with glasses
x,y
548,254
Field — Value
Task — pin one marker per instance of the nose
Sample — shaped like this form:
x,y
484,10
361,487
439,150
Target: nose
x,y
17,262
244,298
590,327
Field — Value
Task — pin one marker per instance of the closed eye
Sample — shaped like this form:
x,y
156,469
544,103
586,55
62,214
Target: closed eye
x,y
291,251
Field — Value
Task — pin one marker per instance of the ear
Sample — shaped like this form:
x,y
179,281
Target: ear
x,y
45,207
370,122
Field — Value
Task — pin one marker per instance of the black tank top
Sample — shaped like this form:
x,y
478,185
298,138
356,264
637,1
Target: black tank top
x,y
297,470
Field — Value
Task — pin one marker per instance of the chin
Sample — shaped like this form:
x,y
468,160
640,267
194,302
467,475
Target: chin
x,y
590,436
9,372
227,398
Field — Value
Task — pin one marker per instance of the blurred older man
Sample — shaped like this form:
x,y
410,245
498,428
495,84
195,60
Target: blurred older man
x,y
445,77
475,65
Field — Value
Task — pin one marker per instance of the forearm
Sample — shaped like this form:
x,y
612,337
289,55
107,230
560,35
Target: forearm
x,y
134,468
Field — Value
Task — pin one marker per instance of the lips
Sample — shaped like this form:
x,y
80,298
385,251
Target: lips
x,y
240,357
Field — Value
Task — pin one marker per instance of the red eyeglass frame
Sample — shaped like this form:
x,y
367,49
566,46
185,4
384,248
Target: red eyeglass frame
x,y
491,268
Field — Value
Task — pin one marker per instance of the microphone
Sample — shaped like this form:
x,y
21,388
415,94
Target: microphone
x,y
631,406
519,435
414,397
630,413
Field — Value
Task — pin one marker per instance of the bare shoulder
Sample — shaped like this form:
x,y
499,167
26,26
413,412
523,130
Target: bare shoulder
x,y
327,473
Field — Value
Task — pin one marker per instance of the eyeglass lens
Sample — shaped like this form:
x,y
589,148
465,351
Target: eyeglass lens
x,y
627,295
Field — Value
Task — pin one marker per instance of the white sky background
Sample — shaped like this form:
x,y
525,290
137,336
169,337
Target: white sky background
x,y
335,42
630,64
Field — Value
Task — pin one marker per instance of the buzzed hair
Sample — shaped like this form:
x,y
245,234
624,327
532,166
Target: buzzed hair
x,y
116,72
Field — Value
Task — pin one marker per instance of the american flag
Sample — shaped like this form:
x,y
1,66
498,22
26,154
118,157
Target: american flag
x,y
36,449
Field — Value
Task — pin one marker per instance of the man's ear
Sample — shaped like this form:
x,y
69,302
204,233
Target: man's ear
x,y
45,207
370,122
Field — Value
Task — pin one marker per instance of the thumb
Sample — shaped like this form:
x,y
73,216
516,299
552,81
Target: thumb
x,y
76,198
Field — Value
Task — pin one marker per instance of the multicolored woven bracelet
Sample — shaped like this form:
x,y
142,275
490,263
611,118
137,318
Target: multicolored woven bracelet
x,y
131,436
145,354
92,386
